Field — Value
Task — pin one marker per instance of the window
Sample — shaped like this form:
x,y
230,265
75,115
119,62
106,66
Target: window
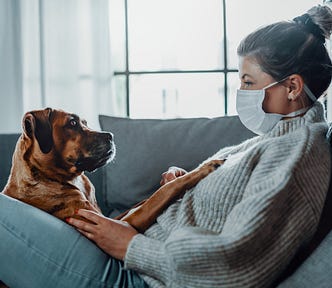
x,y
171,59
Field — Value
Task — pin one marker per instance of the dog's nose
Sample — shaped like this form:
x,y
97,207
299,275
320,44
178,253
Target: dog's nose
x,y
108,136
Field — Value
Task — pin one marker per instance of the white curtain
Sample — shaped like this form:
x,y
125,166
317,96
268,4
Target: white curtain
x,y
56,54
11,101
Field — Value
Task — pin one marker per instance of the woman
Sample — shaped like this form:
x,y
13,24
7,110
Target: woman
x,y
240,226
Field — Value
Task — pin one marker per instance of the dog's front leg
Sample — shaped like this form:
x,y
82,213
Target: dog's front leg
x,y
145,215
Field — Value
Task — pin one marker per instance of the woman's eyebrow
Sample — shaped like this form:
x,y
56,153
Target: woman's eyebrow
x,y
246,75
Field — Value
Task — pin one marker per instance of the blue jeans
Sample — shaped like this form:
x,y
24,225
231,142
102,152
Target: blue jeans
x,y
37,250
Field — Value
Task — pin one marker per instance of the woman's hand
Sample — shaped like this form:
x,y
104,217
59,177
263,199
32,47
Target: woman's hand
x,y
171,174
112,236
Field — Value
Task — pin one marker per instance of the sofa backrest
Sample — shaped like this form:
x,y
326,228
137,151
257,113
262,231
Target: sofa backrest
x,y
7,146
147,147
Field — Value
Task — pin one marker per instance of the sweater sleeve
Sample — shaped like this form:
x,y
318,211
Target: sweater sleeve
x,y
260,235
225,152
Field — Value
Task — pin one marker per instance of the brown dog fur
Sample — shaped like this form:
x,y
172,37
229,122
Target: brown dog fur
x,y
49,159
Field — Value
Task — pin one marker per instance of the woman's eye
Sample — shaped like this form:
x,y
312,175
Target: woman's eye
x,y
247,84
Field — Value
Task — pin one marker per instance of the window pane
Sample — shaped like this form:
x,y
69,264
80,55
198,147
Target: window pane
x,y
172,34
119,101
245,16
177,95
117,34
233,85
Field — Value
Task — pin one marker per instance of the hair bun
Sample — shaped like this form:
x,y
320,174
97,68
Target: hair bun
x,y
310,26
322,17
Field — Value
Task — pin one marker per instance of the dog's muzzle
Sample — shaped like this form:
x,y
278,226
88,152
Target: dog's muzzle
x,y
101,152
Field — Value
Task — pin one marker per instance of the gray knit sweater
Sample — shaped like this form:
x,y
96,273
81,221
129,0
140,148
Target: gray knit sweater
x,y
240,226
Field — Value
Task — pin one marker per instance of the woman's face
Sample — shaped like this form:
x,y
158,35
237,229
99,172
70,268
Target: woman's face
x,y
253,78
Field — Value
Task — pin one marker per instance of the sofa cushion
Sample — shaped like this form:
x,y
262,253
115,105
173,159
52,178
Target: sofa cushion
x,y
147,147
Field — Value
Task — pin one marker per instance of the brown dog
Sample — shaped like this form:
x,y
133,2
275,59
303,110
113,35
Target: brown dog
x,y
49,159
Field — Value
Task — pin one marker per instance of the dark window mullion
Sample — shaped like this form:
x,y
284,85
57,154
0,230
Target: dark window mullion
x,y
225,57
174,71
127,57
42,54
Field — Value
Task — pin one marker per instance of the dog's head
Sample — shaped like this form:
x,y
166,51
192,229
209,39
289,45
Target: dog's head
x,y
62,143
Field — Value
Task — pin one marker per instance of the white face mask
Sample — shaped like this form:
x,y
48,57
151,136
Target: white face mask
x,y
251,113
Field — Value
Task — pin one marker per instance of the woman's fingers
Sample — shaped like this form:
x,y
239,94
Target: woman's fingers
x,y
171,174
81,225
110,235
86,234
90,215
168,176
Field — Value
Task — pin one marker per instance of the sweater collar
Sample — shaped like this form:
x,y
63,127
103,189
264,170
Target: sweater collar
x,y
313,115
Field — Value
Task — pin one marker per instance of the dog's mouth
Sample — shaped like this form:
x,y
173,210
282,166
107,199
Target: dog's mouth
x,y
96,160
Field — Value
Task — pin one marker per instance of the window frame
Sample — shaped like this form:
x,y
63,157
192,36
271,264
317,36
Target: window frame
x,y
127,72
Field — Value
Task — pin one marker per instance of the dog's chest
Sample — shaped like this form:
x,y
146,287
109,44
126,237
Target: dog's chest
x,y
81,185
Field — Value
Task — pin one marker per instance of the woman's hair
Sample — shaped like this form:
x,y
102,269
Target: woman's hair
x,y
294,47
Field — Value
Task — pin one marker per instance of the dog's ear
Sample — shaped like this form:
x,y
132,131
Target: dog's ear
x,y
37,124
28,125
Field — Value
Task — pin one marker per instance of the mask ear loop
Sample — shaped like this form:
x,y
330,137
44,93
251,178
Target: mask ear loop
x,y
309,93
270,85
305,88
274,83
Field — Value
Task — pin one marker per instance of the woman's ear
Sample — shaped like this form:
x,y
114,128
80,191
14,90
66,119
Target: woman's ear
x,y
296,84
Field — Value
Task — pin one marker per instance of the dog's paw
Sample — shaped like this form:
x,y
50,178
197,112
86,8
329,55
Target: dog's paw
x,y
210,166
214,164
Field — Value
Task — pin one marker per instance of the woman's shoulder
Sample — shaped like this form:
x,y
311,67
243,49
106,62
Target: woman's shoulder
x,y
295,151
306,137
303,155
310,138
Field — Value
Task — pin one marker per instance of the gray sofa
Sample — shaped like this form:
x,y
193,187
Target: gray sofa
x,y
146,148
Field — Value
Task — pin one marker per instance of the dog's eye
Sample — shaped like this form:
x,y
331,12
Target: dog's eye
x,y
73,123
